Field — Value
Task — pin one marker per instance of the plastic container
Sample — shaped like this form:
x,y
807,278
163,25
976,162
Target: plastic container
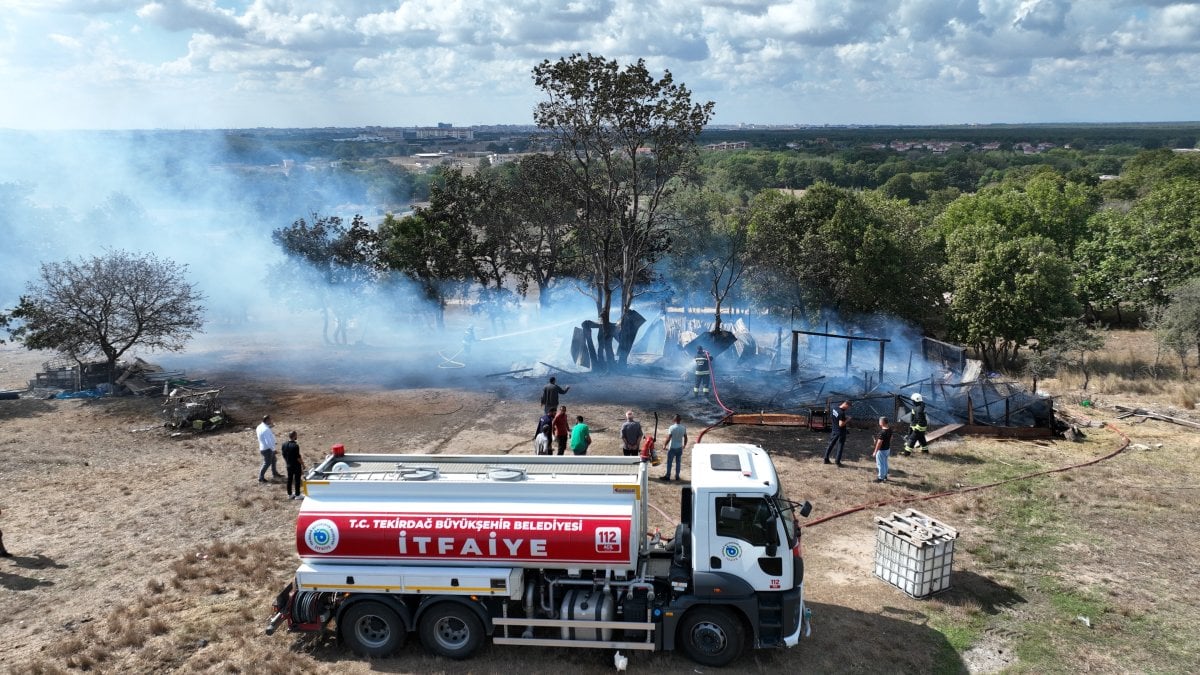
x,y
914,553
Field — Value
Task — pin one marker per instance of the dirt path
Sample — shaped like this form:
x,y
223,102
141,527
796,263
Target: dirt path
x,y
144,551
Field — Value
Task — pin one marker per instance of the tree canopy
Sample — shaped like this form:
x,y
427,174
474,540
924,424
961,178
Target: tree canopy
x,y
108,304
330,267
623,136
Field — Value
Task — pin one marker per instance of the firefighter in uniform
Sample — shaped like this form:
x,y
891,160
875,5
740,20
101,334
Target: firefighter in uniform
x,y
917,423
702,372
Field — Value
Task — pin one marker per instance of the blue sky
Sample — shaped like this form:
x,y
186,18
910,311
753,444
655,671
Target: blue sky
x,y
120,64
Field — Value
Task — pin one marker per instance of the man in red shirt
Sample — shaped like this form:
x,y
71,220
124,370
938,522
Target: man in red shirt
x,y
562,429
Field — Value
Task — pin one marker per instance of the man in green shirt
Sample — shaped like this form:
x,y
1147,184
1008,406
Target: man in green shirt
x,y
581,437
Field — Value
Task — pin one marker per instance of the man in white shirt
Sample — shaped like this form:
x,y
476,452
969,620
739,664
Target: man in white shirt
x,y
266,447
676,441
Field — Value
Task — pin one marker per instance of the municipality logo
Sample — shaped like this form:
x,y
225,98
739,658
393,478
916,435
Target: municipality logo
x,y
321,535
732,551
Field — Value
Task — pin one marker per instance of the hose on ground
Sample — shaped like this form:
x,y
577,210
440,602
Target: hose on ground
x,y
975,488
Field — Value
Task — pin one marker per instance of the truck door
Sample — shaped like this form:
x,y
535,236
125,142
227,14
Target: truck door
x,y
746,539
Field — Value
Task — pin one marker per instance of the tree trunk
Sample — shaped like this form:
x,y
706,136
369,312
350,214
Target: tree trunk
x,y
604,335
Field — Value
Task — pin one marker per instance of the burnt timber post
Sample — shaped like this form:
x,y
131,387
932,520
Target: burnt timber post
x,y
849,349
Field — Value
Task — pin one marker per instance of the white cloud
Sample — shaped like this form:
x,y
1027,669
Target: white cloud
x,y
1045,16
756,58
1174,28
199,15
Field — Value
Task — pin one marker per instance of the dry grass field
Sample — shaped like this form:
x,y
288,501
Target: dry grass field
x,y
141,551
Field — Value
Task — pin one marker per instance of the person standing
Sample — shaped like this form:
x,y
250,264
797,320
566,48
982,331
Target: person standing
x,y
546,421
542,443
676,441
550,394
266,448
839,428
562,429
883,448
542,436
294,463
918,422
631,436
581,436
702,372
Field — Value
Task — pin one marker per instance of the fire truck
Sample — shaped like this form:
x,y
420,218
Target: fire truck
x,y
546,551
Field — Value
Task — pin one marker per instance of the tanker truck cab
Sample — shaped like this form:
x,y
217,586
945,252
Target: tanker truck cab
x,y
745,555
546,551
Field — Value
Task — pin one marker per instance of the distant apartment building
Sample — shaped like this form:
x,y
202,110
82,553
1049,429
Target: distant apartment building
x,y
728,145
443,131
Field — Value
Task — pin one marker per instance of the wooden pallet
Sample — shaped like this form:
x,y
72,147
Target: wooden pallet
x,y
942,431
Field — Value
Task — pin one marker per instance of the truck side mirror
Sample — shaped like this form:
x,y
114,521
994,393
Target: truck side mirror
x,y
805,508
772,527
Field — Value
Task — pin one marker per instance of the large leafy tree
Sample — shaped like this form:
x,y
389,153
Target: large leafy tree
x,y
535,223
1038,203
623,135
475,209
106,305
331,267
710,252
1005,289
1136,257
835,250
442,248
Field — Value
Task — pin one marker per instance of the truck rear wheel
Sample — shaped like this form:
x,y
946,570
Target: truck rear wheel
x,y
451,630
371,628
711,636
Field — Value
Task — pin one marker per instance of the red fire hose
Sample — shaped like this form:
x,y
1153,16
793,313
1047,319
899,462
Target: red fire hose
x,y
974,488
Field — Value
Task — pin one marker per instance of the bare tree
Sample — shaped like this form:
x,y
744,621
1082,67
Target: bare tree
x,y
624,136
108,304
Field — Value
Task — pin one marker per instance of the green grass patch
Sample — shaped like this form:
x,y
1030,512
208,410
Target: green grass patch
x,y
960,634
1075,603
994,472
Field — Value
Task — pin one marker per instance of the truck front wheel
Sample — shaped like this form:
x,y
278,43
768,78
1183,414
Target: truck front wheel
x,y
451,630
711,636
371,628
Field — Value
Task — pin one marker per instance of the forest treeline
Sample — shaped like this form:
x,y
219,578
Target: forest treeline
x,y
996,249
995,244
994,237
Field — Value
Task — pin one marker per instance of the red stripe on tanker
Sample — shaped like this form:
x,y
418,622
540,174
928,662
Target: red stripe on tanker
x,y
535,538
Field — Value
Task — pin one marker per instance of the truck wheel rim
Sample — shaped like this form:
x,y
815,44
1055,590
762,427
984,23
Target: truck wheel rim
x,y
372,631
709,638
451,633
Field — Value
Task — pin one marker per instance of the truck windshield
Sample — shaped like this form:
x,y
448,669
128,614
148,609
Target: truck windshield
x,y
787,515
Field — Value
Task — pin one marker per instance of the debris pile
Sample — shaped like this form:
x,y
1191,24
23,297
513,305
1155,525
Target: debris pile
x,y
186,408
64,377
